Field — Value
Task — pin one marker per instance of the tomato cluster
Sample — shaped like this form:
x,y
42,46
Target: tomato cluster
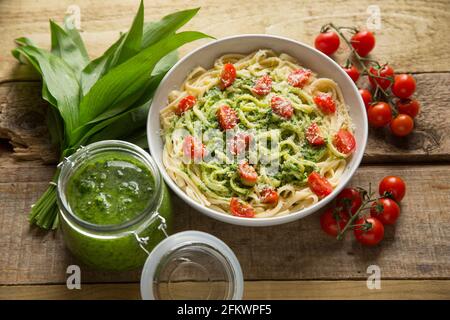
x,y
355,209
389,99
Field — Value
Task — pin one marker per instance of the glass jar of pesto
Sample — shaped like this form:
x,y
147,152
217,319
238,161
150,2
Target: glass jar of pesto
x,y
111,196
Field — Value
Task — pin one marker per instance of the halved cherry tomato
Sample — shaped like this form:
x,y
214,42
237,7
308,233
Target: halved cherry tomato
x,y
369,231
409,107
185,104
387,76
366,96
344,141
227,76
262,86
269,195
379,114
193,149
352,72
349,199
313,135
333,220
319,185
282,107
241,209
240,143
404,86
247,174
298,78
325,102
363,42
386,210
227,117
392,187
327,42
402,125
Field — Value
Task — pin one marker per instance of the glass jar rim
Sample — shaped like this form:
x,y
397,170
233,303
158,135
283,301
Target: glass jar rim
x,y
70,164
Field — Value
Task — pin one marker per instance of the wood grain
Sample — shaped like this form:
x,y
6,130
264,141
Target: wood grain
x,y
412,38
294,251
274,290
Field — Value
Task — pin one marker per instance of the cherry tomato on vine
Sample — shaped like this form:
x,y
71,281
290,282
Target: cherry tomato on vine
x,y
387,74
327,42
319,185
349,199
402,125
352,72
369,231
366,96
393,187
333,220
379,114
344,141
227,76
404,85
241,209
363,42
386,210
409,107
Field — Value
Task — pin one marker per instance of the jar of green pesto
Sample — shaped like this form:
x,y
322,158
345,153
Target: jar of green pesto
x,y
114,206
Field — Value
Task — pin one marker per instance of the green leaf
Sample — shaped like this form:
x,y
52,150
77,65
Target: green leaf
x,y
138,138
123,83
64,47
73,33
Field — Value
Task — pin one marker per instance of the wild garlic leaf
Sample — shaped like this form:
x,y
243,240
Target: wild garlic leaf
x,y
125,81
73,33
64,47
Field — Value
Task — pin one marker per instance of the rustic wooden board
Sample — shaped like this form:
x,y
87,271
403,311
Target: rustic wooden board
x,y
412,37
295,251
22,121
305,290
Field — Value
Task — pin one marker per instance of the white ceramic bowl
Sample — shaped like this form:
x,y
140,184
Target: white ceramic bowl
x,y
307,57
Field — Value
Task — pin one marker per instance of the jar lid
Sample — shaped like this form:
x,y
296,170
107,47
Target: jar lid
x,y
192,265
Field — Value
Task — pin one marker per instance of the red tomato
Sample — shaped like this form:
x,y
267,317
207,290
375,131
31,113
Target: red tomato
x,y
366,96
402,125
349,199
247,174
185,104
298,78
227,117
379,114
363,42
353,73
241,209
325,102
193,149
240,143
332,221
227,76
386,210
269,195
313,135
344,141
392,187
282,107
319,185
262,86
404,86
327,42
387,74
409,107
369,231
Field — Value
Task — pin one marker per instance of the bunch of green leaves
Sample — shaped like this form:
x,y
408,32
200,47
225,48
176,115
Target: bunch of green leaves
x,y
104,98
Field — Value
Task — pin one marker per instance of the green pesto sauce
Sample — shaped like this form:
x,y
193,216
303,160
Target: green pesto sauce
x,y
110,189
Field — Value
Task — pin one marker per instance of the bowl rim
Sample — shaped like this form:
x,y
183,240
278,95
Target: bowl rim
x,y
266,221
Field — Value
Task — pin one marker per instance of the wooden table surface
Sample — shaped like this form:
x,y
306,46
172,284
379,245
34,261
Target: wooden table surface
x,y
294,260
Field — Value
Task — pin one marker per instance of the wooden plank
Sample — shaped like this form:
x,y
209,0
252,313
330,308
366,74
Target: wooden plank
x,y
418,247
430,141
407,38
273,290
